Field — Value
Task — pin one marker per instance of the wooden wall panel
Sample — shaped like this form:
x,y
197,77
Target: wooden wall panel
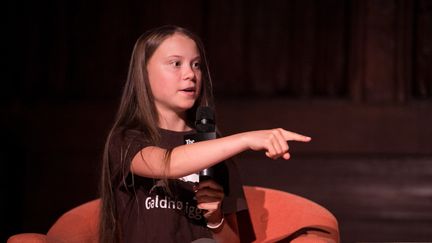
x,y
372,51
226,46
267,34
381,52
301,48
298,50
404,49
330,75
356,53
380,49
422,83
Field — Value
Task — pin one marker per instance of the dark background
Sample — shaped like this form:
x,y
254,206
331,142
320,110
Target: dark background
x,y
354,75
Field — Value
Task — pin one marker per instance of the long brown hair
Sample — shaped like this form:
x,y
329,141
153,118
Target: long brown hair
x,y
137,110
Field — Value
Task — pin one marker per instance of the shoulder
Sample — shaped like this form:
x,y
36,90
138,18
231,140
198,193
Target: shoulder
x,y
127,142
123,135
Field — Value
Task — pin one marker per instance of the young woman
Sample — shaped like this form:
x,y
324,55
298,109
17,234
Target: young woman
x,y
146,189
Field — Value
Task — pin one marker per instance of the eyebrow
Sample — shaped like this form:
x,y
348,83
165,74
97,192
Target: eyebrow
x,y
178,56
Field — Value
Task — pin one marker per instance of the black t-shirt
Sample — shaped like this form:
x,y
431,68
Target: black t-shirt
x,y
147,212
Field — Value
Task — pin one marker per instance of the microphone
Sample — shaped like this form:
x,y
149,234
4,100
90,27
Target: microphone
x,y
205,120
206,130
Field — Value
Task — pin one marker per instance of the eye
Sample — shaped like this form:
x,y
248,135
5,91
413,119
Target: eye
x,y
175,63
196,65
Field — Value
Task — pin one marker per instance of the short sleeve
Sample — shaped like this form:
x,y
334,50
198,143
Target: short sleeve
x,y
124,145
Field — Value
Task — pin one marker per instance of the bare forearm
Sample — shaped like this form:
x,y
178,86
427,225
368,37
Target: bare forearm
x,y
188,159
194,157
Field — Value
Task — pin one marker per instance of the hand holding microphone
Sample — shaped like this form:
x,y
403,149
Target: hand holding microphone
x,y
209,193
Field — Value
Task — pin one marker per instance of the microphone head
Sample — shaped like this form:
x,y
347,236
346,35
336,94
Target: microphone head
x,y
205,119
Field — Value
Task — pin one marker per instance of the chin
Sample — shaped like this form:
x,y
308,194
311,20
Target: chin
x,y
185,107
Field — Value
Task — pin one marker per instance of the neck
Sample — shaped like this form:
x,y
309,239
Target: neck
x,y
173,121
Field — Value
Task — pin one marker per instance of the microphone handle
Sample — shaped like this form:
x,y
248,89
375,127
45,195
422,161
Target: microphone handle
x,y
206,174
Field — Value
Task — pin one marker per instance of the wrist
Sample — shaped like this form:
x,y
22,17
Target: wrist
x,y
215,220
243,139
215,217
216,225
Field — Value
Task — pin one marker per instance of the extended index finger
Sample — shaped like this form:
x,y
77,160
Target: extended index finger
x,y
292,136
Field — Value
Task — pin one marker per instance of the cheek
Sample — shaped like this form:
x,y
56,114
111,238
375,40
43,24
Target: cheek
x,y
161,81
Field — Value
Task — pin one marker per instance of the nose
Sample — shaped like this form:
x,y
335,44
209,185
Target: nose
x,y
189,73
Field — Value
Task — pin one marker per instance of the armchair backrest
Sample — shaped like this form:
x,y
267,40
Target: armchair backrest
x,y
278,215
80,225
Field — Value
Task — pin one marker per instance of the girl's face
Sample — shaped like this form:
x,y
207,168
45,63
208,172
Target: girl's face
x,y
174,73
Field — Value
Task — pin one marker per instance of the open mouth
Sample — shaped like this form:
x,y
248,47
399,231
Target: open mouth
x,y
189,90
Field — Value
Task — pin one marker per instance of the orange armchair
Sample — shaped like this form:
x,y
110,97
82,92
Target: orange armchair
x,y
79,225
276,216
